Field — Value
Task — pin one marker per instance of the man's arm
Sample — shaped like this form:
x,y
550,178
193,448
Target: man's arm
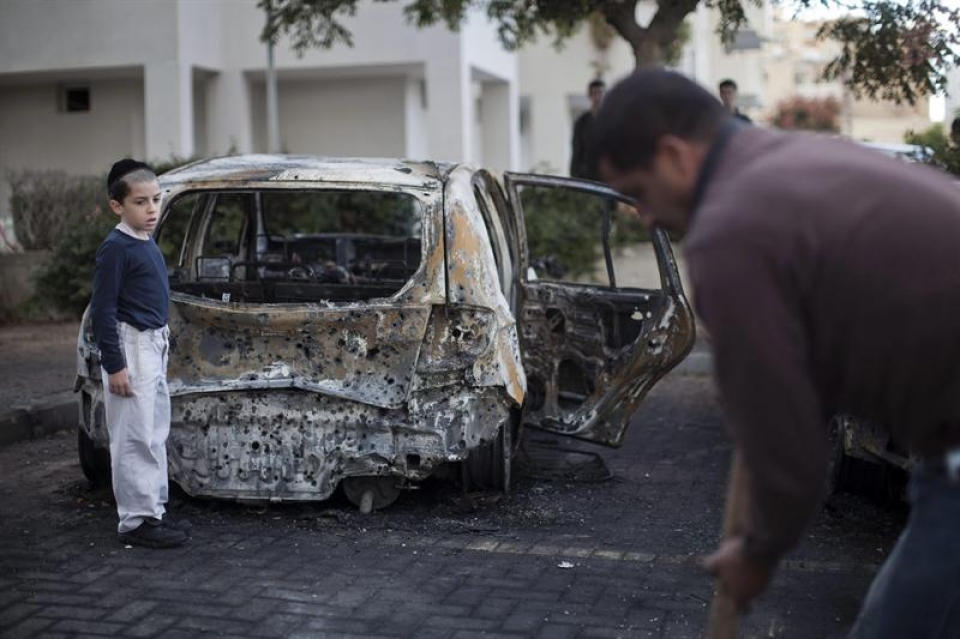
x,y
750,304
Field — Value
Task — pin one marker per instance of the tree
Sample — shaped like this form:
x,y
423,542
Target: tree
x,y
809,114
895,49
937,149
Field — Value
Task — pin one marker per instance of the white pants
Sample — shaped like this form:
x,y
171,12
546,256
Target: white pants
x,y
139,426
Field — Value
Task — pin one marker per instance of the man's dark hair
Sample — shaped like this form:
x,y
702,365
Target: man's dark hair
x,y
728,83
648,105
117,185
596,84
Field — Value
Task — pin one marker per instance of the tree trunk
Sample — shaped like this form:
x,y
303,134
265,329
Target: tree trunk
x,y
647,52
650,44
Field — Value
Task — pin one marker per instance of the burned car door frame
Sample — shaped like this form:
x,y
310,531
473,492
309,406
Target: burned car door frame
x,y
592,352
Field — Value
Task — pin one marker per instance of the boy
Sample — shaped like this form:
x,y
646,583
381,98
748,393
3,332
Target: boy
x,y
129,309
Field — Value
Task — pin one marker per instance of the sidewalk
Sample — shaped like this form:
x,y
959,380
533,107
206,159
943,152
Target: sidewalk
x,y
38,368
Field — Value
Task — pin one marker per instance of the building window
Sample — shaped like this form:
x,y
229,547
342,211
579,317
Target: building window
x,y
73,99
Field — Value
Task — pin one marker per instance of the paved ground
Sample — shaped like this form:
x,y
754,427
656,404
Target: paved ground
x,y
434,564
37,363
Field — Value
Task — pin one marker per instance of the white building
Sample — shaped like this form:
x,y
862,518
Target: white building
x,y
553,83
953,96
794,63
85,82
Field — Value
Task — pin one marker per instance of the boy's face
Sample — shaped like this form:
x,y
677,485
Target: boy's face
x,y
140,209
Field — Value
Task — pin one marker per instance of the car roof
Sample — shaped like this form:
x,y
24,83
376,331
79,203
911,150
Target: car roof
x,y
257,169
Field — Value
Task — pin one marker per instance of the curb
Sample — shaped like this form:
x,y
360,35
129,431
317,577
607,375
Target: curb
x,y
39,420
696,363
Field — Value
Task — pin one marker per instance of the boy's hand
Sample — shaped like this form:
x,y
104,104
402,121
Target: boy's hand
x,y
120,383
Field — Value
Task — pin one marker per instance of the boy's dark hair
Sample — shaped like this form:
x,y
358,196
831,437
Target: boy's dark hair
x,y
117,186
648,105
728,83
596,84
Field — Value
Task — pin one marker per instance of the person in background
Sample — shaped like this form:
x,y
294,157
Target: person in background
x,y
582,164
730,98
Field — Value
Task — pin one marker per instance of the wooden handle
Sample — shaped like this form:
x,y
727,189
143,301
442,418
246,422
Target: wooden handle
x,y
724,620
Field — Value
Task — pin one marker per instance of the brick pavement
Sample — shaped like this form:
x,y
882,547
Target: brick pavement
x,y
430,566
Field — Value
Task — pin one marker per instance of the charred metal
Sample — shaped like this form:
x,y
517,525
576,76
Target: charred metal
x,y
371,322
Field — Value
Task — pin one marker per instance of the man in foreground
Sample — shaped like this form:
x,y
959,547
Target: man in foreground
x,y
828,277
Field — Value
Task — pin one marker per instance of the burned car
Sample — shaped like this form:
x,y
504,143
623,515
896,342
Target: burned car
x,y
372,323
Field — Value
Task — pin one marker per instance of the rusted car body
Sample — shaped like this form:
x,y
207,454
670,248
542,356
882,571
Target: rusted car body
x,y
371,323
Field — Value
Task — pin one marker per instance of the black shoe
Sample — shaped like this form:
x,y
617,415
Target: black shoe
x,y
183,525
153,535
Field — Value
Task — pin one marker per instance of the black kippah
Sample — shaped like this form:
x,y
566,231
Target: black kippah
x,y
124,167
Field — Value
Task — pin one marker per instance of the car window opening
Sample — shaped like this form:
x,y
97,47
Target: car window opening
x,y
286,246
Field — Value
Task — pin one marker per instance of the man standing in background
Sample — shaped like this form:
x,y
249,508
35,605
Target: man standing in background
x,y
583,164
730,97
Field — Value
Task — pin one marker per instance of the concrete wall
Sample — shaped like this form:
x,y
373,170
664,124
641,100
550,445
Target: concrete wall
x,y
953,96
554,86
351,117
193,73
35,135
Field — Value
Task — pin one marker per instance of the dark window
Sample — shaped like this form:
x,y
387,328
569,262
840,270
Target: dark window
x,y
224,231
287,246
343,235
73,99
173,230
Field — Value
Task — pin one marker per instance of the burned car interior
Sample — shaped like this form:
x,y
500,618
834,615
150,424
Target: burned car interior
x,y
293,246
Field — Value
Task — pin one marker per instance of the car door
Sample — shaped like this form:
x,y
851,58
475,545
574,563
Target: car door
x,y
602,312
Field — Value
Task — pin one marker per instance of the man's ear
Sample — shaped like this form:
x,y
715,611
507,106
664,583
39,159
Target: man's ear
x,y
116,207
678,156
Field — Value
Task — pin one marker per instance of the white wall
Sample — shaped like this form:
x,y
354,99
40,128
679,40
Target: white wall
x,y
194,73
79,34
349,117
953,97
34,135
550,82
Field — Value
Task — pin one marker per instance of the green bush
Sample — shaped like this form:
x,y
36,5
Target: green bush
x,y
943,155
44,203
65,281
70,216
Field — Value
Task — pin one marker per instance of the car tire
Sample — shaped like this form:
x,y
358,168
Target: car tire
x,y
490,467
840,473
94,460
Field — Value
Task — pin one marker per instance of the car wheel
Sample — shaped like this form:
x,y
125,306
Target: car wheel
x,y
490,466
371,493
94,460
840,470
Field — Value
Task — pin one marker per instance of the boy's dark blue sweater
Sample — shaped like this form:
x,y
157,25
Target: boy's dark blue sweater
x,y
130,285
